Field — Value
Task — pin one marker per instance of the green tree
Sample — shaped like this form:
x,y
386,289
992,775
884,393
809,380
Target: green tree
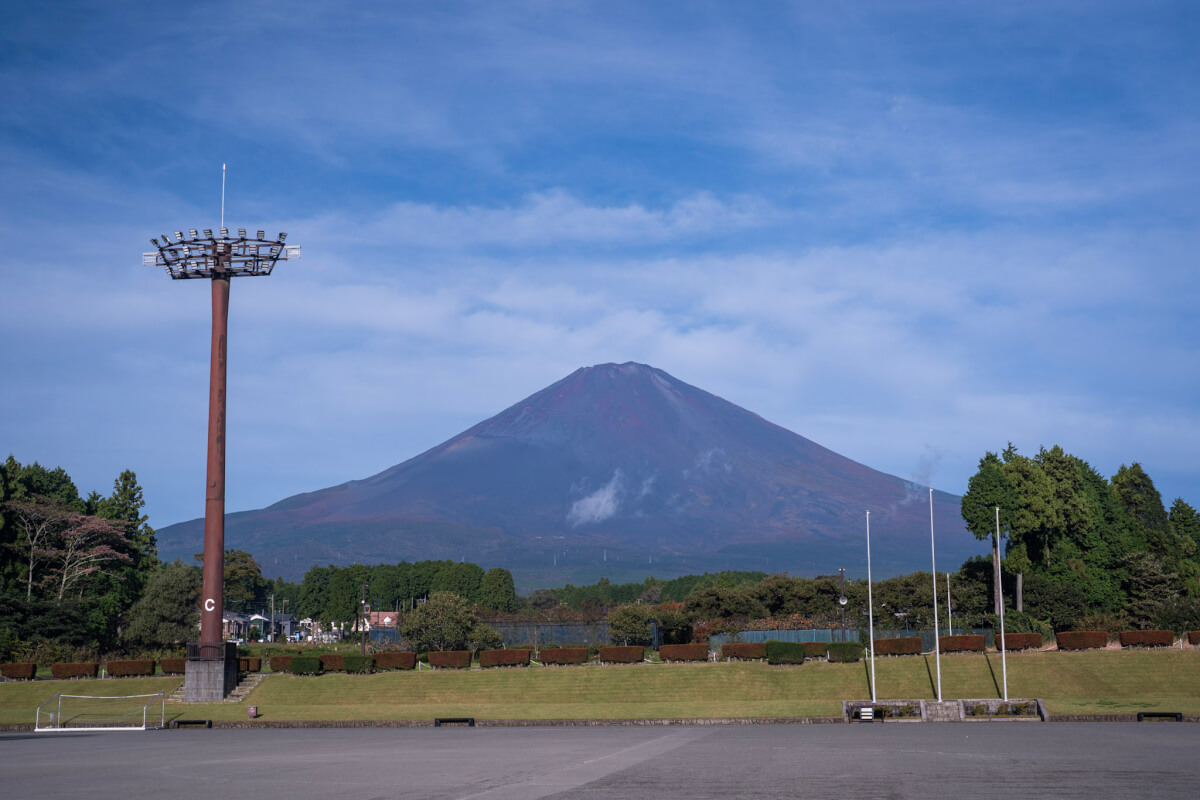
x,y
987,490
630,624
244,585
497,590
1185,522
444,622
168,613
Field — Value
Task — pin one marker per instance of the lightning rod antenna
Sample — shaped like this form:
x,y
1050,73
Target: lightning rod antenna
x,y
222,195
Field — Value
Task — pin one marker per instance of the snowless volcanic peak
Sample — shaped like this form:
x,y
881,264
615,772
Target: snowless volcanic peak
x,y
616,466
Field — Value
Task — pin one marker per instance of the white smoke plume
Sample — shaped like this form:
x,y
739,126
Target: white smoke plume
x,y
600,504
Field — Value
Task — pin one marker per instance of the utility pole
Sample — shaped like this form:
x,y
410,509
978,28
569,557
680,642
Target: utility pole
x,y
218,258
363,624
271,638
842,601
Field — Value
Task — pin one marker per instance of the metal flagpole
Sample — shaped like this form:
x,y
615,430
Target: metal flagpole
x,y
949,613
937,653
870,608
1000,590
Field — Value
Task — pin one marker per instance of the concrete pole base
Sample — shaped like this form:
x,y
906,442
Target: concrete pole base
x,y
209,681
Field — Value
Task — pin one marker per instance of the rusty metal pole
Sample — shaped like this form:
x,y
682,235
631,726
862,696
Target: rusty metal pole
x,y
214,496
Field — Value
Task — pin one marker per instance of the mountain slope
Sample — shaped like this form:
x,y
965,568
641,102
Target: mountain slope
x,y
614,470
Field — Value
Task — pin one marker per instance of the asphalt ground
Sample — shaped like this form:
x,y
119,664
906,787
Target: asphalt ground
x,y
1093,760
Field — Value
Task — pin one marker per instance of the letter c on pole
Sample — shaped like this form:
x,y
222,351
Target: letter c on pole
x,y
209,604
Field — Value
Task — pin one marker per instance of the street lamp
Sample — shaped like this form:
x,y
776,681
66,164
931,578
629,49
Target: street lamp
x,y
842,601
870,608
218,258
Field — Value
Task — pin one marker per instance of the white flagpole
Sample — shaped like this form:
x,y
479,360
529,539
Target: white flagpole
x,y
937,653
1000,591
870,608
949,614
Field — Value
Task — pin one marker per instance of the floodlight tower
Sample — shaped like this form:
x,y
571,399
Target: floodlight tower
x,y
219,258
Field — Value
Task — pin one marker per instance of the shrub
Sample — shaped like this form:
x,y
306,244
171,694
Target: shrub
x,y
1147,638
503,658
565,655
1019,641
903,646
358,665
618,654
1193,637
23,671
82,669
250,664
173,666
962,643
140,666
332,662
1081,640
785,652
395,660
281,663
816,649
683,652
304,665
744,650
845,652
450,659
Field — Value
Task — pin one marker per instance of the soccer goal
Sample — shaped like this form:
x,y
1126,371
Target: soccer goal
x,y
78,712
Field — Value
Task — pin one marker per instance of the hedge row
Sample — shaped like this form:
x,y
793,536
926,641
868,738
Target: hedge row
x,y
630,654
744,650
304,665
564,655
785,652
84,669
396,660
1147,638
845,652
250,664
816,649
961,643
1019,641
173,666
683,652
140,666
332,662
904,646
503,658
450,659
1193,637
1082,640
358,665
20,671
281,663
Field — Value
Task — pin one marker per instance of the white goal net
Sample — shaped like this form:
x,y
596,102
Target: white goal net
x,y
77,712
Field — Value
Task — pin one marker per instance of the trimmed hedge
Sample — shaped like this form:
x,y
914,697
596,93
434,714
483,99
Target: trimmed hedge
x,y
683,652
785,652
332,662
816,649
503,658
82,669
250,664
358,665
21,671
1147,638
1193,637
450,659
139,666
304,665
745,650
902,646
173,666
845,652
281,663
565,655
1081,640
622,654
395,661
1019,641
961,643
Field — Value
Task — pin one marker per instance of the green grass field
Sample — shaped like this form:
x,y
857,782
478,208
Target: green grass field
x,y
1070,682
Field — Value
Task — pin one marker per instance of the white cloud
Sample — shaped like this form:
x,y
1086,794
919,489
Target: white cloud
x,y
600,504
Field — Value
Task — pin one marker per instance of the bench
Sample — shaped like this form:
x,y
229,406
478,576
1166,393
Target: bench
x,y
468,721
190,723
1175,715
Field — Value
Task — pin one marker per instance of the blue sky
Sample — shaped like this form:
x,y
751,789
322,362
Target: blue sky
x,y
911,232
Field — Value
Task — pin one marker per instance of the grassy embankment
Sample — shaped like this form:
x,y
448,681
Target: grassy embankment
x,y
1077,682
